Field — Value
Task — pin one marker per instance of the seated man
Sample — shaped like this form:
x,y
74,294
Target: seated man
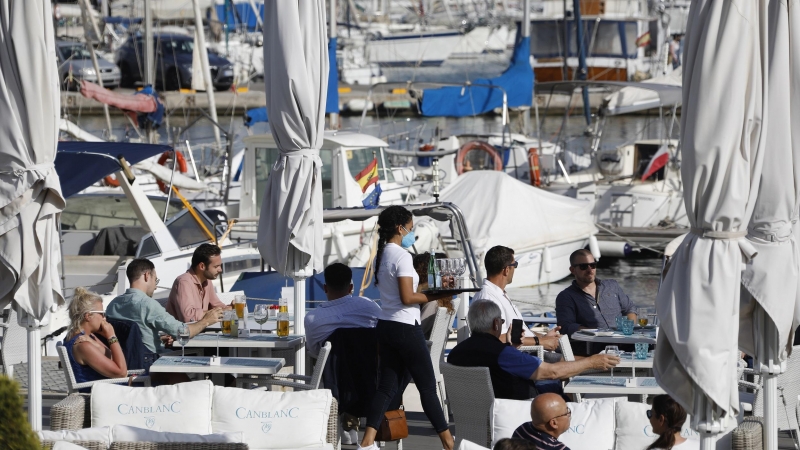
x,y
137,306
589,302
512,372
192,293
343,310
550,418
500,268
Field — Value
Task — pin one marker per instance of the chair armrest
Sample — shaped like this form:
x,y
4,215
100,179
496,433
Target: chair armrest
x,y
538,349
273,382
748,435
136,372
70,413
748,385
88,445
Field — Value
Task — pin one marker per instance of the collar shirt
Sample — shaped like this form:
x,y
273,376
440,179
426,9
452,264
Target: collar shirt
x,y
190,299
346,312
148,314
492,292
576,308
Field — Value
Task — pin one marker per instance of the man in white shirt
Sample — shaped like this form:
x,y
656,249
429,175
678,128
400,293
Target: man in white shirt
x,y
500,267
343,310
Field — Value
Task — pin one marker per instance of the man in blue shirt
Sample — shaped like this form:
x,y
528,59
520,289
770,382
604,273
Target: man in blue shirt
x,y
512,372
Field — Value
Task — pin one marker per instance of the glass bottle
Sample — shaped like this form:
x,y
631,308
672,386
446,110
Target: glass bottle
x,y
431,272
283,318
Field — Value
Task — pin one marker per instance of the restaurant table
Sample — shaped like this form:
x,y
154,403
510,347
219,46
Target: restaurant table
x,y
646,335
615,386
229,365
627,360
269,325
265,343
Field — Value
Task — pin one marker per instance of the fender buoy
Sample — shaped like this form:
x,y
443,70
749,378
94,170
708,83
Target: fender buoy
x,y
536,171
163,160
477,145
111,181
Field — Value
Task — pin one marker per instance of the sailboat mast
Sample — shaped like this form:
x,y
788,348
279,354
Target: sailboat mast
x,y
526,33
200,41
333,30
582,69
149,73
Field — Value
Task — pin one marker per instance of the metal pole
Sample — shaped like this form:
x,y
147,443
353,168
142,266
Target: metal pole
x,y
526,33
566,45
149,59
90,43
770,411
34,377
582,70
333,32
200,38
299,275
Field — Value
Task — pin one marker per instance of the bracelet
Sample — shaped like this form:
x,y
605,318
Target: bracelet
x,y
113,340
536,338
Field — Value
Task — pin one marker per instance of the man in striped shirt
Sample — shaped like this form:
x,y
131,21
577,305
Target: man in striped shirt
x,y
550,418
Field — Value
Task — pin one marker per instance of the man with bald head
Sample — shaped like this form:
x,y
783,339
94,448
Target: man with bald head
x,y
550,418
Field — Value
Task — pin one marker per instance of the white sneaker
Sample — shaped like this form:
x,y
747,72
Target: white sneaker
x,y
347,438
374,446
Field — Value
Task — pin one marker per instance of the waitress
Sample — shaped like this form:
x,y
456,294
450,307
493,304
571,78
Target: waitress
x,y
400,339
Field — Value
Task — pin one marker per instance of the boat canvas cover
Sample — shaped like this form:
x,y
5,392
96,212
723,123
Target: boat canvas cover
x,y
500,210
478,98
632,99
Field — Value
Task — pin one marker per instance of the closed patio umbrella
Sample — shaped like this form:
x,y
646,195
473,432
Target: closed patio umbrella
x,y
723,145
30,193
296,79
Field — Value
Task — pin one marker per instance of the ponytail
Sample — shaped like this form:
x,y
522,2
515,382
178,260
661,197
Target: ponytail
x,y
674,416
388,221
83,302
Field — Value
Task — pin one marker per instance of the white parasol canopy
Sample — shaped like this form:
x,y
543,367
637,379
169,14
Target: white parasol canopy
x,y
296,78
30,192
723,148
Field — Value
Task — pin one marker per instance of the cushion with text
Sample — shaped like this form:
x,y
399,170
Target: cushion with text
x,y
273,420
182,408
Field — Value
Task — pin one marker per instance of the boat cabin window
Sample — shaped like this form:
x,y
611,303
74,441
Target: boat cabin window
x,y
187,232
241,265
547,38
266,158
148,248
359,158
95,212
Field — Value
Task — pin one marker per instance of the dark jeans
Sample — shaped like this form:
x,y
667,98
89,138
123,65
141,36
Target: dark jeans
x,y
402,348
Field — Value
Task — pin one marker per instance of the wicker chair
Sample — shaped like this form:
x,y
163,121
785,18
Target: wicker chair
x,y
436,346
302,383
88,445
471,397
73,385
74,413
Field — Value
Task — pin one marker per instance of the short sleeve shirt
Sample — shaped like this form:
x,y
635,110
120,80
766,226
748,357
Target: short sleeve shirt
x,y
508,312
396,262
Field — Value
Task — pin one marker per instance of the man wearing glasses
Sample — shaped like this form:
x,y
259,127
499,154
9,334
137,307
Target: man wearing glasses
x,y
500,268
550,418
589,302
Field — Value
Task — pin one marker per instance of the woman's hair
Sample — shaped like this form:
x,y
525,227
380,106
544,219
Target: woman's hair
x,y
388,221
514,444
674,417
83,301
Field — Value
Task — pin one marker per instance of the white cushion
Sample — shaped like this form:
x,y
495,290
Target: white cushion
x,y
273,420
634,431
124,433
182,408
63,445
467,445
102,434
591,425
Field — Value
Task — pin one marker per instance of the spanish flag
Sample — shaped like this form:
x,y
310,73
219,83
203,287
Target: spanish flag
x,y
643,40
368,176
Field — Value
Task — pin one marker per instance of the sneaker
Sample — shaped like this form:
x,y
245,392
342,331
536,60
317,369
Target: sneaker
x,y
374,446
347,438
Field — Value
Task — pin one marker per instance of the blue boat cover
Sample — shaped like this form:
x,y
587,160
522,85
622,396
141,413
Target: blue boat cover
x,y
81,164
461,101
256,115
239,14
267,285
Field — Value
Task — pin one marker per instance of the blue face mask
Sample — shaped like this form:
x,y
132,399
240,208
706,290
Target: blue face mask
x,y
409,239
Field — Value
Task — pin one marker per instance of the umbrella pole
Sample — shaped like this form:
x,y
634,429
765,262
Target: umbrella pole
x,y
299,315
708,441
770,411
34,378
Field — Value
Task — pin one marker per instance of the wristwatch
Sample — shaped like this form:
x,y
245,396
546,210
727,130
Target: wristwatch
x,y
536,338
113,340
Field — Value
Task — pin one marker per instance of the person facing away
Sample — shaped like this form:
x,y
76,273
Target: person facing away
x,y
427,312
514,444
343,310
402,346
192,293
138,306
512,372
500,268
667,418
91,359
550,418
590,302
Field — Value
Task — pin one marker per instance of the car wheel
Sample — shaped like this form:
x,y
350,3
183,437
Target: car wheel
x,y
126,76
173,81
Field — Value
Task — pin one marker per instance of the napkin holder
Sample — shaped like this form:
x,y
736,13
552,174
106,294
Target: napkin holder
x,y
630,382
244,332
214,361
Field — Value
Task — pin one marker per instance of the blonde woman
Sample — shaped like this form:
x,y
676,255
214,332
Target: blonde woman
x,y
91,359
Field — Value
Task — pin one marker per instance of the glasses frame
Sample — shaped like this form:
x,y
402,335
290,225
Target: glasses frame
x,y
649,413
580,266
515,264
568,414
102,313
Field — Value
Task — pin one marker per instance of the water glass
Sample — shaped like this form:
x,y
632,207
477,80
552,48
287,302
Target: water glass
x,y
612,350
641,350
627,327
183,338
619,320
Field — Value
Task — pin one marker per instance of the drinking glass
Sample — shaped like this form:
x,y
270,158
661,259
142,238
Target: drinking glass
x,y
627,327
461,267
448,273
240,302
619,320
641,350
612,350
183,339
227,316
643,322
261,315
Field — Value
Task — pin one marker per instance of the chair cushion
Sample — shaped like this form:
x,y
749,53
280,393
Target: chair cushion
x,y
102,434
64,445
182,408
273,420
468,445
124,433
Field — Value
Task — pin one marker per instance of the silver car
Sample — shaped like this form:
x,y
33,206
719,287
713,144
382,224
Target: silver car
x,y
75,64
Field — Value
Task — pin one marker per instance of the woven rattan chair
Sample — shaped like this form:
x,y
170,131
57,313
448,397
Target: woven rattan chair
x,y
296,382
471,397
88,445
748,435
436,346
73,385
74,413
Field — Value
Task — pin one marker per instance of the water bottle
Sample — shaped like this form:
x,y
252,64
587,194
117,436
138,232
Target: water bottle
x,y
431,272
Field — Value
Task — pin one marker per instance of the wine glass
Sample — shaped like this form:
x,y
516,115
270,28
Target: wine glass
x,y
612,350
461,267
183,339
261,315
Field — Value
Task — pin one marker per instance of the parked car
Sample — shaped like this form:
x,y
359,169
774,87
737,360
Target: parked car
x,y
75,64
173,55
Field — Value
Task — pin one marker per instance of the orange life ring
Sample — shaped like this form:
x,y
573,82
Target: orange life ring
x,y
111,181
477,145
536,171
163,160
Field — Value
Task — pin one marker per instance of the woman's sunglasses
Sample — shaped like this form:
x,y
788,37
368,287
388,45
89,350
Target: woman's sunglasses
x,y
102,313
586,266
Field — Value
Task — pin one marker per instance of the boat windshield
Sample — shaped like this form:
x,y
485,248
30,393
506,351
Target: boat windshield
x,y
95,212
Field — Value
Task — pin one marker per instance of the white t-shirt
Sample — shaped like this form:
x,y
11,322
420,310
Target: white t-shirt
x,y
490,291
689,444
396,262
